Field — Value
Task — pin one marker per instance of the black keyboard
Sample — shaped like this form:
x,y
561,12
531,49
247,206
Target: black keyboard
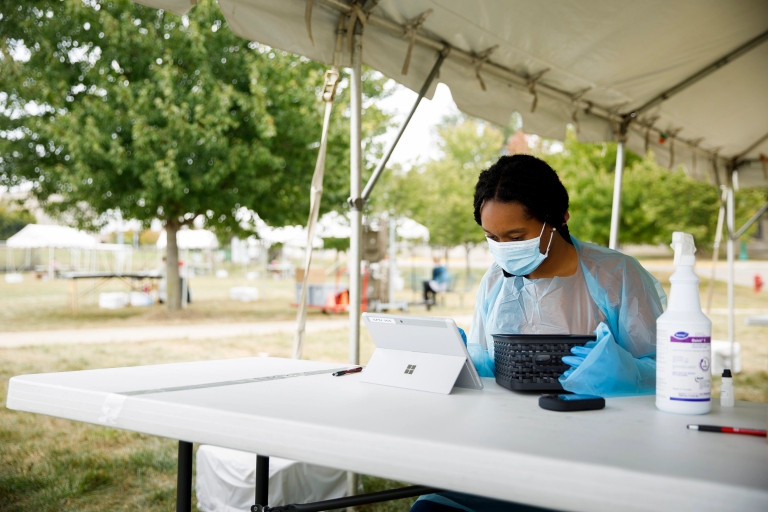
x,y
533,362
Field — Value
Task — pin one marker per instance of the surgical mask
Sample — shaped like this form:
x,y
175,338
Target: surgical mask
x,y
520,258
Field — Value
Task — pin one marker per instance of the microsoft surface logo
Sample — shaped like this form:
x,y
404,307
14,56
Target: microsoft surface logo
x,y
409,369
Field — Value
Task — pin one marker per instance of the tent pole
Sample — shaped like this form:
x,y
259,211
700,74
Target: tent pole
x,y
751,221
356,210
392,259
616,208
716,249
730,247
355,181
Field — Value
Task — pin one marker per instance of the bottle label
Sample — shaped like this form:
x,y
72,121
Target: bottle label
x,y
683,362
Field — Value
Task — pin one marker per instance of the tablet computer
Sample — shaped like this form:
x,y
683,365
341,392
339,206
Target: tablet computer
x,y
424,353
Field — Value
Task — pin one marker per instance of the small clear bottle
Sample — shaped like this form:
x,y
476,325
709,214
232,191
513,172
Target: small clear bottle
x,y
726,389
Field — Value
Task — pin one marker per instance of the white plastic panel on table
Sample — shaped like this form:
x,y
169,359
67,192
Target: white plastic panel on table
x,y
493,442
434,373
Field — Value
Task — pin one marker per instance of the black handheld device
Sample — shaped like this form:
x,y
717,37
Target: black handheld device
x,y
567,402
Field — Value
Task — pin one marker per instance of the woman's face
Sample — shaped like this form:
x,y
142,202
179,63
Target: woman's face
x,y
507,222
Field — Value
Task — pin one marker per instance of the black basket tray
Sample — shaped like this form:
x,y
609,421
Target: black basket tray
x,y
533,362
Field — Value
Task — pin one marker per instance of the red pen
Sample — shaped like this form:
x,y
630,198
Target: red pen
x,y
344,372
728,430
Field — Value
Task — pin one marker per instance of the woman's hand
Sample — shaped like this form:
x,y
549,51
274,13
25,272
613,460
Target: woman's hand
x,y
579,353
603,368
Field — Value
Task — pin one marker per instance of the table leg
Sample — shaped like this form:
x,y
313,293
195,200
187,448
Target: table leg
x,y
184,478
262,480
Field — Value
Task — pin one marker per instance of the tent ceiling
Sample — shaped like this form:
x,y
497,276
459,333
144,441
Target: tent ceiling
x,y
586,62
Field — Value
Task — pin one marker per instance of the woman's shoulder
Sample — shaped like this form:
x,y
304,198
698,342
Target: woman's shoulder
x,y
606,260
614,271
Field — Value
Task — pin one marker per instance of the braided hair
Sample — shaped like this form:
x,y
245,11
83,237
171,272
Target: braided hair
x,y
530,182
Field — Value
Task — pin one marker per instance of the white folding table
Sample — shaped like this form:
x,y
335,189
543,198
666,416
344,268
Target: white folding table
x,y
492,443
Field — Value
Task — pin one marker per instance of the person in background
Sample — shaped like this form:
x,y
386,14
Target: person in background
x,y
438,284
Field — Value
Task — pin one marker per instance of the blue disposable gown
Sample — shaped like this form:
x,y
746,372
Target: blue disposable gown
x,y
609,288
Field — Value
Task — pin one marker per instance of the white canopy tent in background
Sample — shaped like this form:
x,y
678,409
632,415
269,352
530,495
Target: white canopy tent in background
x,y
52,237
684,78
41,236
194,239
331,225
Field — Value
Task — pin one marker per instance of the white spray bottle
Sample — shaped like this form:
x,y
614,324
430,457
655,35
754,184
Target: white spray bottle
x,y
683,340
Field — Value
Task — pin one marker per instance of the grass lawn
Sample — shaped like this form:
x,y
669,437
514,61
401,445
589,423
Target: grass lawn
x,y
44,305
52,464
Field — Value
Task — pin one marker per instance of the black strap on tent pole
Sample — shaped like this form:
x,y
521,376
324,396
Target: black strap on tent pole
x,y
424,88
351,501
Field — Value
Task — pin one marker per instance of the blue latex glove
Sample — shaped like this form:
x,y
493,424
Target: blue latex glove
x,y
605,369
579,353
463,336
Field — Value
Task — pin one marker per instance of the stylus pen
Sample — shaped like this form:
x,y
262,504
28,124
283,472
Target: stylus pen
x,y
728,430
344,372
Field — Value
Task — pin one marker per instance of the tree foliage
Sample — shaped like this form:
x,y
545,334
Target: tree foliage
x,y
12,220
164,116
655,201
116,105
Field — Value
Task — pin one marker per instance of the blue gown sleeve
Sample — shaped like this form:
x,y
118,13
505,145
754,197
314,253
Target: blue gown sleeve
x,y
477,343
623,362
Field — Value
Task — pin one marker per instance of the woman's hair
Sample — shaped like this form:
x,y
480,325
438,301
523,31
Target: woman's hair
x,y
526,180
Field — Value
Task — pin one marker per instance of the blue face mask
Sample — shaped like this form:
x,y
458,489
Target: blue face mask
x,y
520,258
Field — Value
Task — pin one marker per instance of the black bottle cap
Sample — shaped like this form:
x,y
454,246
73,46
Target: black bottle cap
x,y
727,373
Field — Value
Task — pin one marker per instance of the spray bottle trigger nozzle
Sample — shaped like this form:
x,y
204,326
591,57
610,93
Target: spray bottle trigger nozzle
x,y
684,247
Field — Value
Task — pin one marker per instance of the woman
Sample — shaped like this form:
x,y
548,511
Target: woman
x,y
545,281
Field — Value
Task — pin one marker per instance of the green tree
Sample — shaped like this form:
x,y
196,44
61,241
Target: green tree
x,y
114,105
439,193
655,201
12,220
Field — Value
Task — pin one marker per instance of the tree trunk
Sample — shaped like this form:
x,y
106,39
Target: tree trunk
x,y
468,247
173,285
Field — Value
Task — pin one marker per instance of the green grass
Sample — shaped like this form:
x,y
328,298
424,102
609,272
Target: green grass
x,y
51,464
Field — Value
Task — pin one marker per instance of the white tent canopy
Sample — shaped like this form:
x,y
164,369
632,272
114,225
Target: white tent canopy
x,y
593,63
37,236
191,239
